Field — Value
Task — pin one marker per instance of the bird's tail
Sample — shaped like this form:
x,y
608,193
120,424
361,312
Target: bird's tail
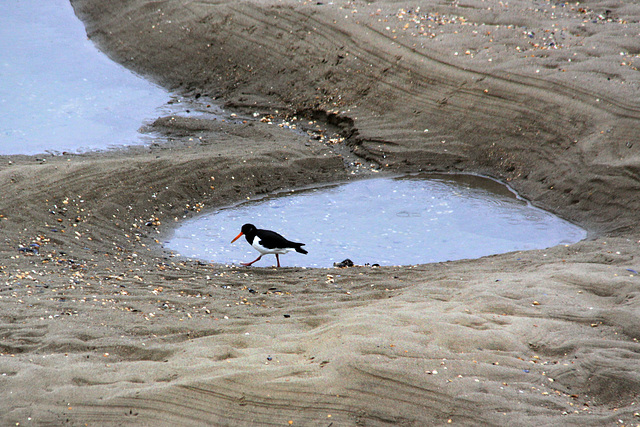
x,y
299,248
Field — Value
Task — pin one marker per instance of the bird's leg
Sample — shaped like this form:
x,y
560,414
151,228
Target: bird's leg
x,y
278,259
249,263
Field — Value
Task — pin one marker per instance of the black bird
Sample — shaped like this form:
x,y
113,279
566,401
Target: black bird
x,y
267,242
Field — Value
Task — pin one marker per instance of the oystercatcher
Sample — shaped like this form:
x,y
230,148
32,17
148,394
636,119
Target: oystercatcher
x,y
267,242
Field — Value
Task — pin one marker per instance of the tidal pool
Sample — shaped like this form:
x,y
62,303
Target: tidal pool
x,y
385,221
58,92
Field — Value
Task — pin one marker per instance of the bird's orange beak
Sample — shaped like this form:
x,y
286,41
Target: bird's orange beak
x,y
237,237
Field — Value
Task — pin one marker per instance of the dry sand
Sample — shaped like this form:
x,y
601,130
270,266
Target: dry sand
x,y
101,327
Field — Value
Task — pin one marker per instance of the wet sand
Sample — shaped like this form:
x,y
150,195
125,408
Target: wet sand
x,y
102,327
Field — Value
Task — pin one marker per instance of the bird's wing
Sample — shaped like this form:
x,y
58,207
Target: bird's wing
x,y
270,239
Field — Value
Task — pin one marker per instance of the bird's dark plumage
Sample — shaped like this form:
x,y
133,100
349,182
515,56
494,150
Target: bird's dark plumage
x,y
268,242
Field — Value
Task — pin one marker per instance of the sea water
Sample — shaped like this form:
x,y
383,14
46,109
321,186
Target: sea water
x,y
59,93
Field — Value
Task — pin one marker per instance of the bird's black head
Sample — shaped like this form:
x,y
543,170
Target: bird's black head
x,y
248,229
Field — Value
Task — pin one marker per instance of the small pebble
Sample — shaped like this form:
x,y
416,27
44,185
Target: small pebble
x,y
346,263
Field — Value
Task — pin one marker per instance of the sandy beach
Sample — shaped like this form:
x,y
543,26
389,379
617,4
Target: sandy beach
x,y
102,326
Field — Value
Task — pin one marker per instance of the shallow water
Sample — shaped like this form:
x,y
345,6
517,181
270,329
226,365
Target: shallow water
x,y
401,221
58,92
